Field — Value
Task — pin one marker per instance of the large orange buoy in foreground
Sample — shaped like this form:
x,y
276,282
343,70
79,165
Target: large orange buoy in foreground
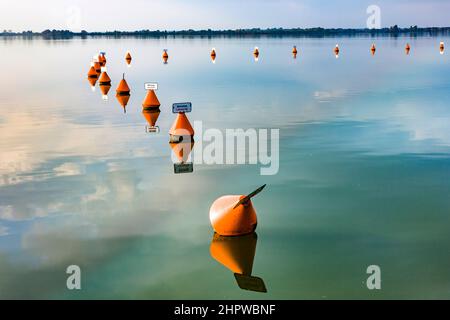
x,y
151,100
234,215
237,254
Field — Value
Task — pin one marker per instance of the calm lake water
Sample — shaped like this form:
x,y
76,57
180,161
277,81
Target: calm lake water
x,y
364,169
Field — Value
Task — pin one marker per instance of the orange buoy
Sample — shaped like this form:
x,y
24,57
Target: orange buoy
x,y
102,59
104,88
123,89
234,215
128,57
123,101
181,128
213,55
165,56
104,78
373,49
441,47
294,50
97,67
407,48
237,254
151,100
92,73
256,52
336,51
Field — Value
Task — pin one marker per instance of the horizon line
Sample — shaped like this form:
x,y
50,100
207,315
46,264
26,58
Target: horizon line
x,y
249,29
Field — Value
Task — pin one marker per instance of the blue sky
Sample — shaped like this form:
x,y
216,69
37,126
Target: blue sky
x,y
103,15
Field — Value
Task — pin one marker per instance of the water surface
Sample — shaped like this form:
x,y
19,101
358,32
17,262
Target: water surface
x,y
364,172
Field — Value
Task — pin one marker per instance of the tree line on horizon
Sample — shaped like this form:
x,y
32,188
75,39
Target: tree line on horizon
x,y
253,32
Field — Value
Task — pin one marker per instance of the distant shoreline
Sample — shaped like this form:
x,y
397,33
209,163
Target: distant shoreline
x,y
394,31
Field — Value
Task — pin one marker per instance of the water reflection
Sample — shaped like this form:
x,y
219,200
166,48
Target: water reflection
x,y
237,254
92,82
151,116
104,88
123,101
182,150
379,134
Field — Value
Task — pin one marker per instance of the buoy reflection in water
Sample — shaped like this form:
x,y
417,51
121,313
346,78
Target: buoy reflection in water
x,y
151,116
237,254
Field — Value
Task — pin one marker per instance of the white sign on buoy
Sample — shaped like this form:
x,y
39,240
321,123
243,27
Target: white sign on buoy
x,y
151,86
182,107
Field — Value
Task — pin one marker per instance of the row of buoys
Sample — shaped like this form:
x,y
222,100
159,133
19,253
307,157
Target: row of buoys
x,y
232,217
100,61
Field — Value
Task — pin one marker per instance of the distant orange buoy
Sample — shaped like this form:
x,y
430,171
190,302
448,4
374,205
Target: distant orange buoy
x,y
237,254
165,56
256,52
336,51
181,128
213,55
373,49
104,78
234,215
441,47
102,59
92,73
151,100
123,88
407,48
294,50
128,57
